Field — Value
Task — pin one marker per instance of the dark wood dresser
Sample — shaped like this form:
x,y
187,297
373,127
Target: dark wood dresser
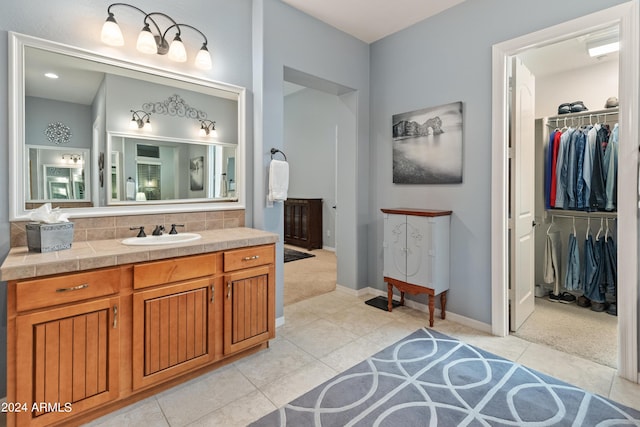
x,y
303,223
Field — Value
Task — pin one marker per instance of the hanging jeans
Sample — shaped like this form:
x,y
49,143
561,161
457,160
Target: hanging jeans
x,y
593,255
610,276
572,278
552,260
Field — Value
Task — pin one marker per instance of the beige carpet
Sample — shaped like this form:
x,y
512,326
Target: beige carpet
x,y
574,330
309,277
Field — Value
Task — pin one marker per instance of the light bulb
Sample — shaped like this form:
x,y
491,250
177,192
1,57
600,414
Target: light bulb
x,y
213,133
111,33
177,52
203,58
133,124
147,126
146,41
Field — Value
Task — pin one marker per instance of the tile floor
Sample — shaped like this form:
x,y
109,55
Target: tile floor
x,y
326,335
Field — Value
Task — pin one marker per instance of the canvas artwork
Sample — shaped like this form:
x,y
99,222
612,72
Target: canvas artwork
x,y
196,167
427,145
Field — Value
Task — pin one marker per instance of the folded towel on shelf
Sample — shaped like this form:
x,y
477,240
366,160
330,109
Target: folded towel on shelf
x,y
278,180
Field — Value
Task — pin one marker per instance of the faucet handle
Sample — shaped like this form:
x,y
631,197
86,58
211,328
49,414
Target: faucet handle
x,y
173,228
141,233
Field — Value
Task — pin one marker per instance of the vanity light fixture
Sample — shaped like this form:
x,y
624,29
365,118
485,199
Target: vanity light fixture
x,y
74,157
156,42
208,128
138,120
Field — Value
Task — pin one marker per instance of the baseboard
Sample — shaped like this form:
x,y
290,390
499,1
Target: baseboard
x,y
472,323
329,248
279,321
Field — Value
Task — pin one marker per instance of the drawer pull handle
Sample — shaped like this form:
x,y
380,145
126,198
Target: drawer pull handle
x,y
250,258
73,288
213,289
115,316
228,290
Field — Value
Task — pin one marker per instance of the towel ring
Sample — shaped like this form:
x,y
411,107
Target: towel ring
x,y
275,150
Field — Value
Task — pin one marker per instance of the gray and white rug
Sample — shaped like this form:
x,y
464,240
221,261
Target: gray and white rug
x,y
431,379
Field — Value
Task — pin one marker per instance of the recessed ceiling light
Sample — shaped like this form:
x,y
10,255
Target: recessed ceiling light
x,y
51,75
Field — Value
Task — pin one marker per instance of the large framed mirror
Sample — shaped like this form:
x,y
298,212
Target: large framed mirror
x,y
100,136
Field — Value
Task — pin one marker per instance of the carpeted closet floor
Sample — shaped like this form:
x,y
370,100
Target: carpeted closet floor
x,y
309,277
574,330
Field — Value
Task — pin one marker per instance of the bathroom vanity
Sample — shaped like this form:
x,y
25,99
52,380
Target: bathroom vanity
x,y
85,341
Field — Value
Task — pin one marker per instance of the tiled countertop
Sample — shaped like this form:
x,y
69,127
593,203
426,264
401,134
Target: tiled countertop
x,y
22,264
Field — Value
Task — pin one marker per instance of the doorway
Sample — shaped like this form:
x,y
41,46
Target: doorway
x,y
316,131
626,15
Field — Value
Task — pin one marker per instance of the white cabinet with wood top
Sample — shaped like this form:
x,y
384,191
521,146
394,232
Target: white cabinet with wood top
x,y
416,254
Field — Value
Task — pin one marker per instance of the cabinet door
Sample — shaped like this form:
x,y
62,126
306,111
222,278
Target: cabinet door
x,y
395,247
419,251
249,308
173,330
67,360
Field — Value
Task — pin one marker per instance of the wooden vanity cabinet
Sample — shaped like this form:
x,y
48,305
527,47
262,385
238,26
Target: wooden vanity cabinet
x,y
67,355
84,344
174,322
249,300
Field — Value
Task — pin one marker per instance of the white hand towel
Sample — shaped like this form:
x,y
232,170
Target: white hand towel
x,y
278,180
131,190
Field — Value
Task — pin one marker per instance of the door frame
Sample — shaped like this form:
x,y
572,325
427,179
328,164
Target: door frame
x,y
626,15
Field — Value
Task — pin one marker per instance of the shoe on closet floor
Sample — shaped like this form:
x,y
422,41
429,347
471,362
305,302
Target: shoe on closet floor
x,y
599,306
563,297
583,301
613,309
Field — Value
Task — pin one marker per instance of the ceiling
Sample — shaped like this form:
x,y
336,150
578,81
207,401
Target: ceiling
x,y
371,20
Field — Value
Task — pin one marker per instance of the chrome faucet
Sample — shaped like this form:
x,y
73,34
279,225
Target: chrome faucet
x,y
158,230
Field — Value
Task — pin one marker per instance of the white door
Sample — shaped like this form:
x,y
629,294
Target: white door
x,y
522,175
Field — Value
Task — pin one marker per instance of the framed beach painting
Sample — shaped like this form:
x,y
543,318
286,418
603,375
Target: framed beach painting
x,y
427,145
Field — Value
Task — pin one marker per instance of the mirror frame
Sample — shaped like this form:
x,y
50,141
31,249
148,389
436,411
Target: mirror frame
x,y
17,155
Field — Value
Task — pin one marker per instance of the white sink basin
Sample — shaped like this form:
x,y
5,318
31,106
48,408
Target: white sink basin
x,y
165,239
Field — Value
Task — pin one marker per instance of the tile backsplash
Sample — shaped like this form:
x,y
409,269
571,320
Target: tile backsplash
x,y
118,227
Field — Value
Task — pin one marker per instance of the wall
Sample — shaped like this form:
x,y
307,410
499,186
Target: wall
x,y
592,85
227,26
285,37
457,67
310,122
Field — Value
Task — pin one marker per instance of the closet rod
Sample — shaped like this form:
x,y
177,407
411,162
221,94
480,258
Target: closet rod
x,y
612,216
580,118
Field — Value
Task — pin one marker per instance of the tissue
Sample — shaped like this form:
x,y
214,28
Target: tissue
x,y
47,215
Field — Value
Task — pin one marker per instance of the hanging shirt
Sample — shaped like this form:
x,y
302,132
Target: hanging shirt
x,y
581,143
598,198
611,170
547,170
562,169
587,164
556,147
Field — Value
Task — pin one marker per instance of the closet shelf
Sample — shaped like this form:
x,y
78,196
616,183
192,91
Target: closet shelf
x,y
601,116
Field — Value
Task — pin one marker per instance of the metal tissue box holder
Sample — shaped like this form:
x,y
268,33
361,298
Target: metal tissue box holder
x,y
49,237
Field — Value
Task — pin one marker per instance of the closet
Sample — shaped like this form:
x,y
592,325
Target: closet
x,y
577,223
580,186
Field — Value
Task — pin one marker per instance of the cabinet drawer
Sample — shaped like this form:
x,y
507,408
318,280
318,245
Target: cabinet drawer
x,y
173,270
41,293
250,257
